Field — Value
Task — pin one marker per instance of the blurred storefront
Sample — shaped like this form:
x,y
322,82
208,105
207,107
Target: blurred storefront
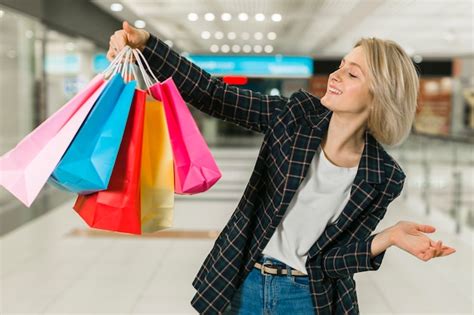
x,y
42,68
272,75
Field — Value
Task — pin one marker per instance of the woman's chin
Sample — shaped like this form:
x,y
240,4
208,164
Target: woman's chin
x,y
328,102
325,101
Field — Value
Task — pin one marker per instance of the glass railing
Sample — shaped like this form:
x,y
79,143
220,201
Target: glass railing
x,y
440,173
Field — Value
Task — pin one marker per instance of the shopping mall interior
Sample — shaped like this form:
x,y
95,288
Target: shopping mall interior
x,y
54,262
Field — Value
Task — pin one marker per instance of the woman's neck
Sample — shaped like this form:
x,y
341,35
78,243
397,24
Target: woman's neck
x,y
344,141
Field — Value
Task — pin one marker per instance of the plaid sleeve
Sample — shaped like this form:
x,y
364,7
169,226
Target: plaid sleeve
x,y
246,108
343,261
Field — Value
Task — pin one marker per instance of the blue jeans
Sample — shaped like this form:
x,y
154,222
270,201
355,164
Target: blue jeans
x,y
271,294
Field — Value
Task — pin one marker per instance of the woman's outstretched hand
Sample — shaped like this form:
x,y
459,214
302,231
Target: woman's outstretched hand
x,y
128,35
411,237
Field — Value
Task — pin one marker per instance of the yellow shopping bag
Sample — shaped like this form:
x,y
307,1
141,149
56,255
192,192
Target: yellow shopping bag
x,y
157,174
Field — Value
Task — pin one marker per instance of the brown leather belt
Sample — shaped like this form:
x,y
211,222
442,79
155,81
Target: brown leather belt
x,y
277,270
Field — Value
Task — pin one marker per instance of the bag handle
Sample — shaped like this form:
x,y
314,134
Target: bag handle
x,y
115,63
132,67
146,78
128,70
123,64
137,51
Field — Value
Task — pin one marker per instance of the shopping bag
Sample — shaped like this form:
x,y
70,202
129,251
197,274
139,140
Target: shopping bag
x,y
25,169
87,165
157,174
118,207
195,168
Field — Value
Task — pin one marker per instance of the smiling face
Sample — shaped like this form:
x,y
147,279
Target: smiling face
x,y
351,80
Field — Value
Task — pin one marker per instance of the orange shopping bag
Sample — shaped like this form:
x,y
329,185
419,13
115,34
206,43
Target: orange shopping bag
x,y
157,175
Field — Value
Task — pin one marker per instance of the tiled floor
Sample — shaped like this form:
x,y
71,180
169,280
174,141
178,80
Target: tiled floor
x,y
57,265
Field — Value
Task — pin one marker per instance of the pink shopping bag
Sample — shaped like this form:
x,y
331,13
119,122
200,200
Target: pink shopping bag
x,y
25,169
194,166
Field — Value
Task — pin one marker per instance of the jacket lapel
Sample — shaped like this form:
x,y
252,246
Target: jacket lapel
x,y
305,142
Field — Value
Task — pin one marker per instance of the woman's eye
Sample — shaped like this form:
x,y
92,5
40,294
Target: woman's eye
x,y
349,73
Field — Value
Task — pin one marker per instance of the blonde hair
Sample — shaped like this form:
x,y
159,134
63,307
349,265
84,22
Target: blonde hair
x,y
394,85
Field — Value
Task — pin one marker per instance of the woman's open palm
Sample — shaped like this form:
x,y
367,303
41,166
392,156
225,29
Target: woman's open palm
x,y
411,237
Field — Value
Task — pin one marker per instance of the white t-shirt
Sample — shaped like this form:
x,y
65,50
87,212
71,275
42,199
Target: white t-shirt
x,y
320,199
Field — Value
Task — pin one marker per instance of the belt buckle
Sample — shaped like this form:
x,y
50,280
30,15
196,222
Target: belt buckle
x,y
262,271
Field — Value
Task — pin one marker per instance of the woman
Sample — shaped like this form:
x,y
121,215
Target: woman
x,y
321,184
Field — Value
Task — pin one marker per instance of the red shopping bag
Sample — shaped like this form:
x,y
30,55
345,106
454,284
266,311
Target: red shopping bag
x,y
118,207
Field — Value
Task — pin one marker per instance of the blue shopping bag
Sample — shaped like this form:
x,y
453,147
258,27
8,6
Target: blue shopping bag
x,y
87,165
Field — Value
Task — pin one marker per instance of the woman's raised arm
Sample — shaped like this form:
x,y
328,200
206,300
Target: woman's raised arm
x,y
246,108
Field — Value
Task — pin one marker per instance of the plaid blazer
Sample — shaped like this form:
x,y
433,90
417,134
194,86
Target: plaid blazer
x,y
292,128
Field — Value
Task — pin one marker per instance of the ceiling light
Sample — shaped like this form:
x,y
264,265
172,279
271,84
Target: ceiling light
x,y
29,34
205,35
209,17
219,35
257,49
243,16
409,50
276,17
417,58
268,49
272,36
214,48
169,43
116,7
247,48
226,17
258,36
260,17
140,24
245,35
225,48
231,35
70,46
1,13
193,17
236,48
274,91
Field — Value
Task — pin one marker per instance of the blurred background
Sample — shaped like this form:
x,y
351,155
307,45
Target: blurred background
x,y
53,263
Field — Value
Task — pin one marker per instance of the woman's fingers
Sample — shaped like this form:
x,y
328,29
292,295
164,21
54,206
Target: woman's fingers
x,y
130,31
118,41
439,249
447,251
135,37
130,36
428,254
425,228
433,252
111,55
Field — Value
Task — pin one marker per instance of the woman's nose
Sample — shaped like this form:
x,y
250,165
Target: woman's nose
x,y
335,77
